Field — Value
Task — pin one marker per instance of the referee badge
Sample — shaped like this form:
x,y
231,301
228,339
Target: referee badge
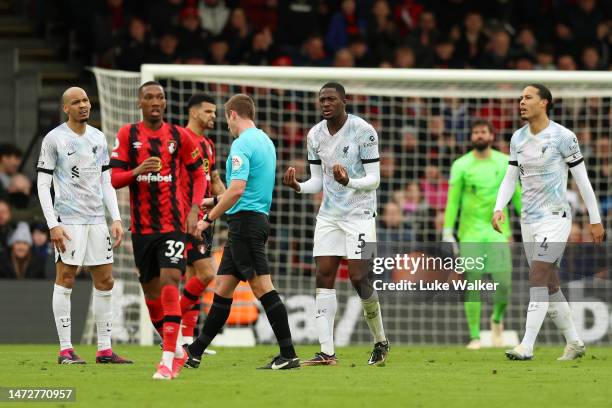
x,y
171,146
236,163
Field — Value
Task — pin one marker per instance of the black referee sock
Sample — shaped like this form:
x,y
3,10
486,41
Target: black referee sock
x,y
217,316
277,316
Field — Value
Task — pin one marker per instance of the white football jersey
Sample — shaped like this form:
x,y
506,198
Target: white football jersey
x,y
543,161
76,163
353,145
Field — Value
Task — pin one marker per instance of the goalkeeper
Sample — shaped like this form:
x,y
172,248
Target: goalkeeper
x,y
474,181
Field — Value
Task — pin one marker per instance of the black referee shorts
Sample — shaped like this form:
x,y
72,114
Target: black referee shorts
x,y
244,255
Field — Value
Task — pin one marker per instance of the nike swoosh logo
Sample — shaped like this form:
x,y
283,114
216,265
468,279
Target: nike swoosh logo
x,y
65,325
109,257
70,154
278,367
541,254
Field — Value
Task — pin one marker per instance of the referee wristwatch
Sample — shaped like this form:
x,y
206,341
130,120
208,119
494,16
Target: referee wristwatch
x,y
207,218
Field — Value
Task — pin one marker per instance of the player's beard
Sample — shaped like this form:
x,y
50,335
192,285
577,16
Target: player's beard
x,y
83,120
481,146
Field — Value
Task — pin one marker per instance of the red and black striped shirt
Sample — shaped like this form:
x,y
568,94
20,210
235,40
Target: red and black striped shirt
x,y
157,198
207,154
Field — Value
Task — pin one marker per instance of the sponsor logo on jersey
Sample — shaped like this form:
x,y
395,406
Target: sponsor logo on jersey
x,y
206,165
154,178
74,171
171,146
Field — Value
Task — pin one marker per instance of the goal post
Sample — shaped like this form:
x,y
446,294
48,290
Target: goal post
x,y
423,120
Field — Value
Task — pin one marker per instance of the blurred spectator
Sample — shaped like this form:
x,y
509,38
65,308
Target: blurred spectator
x,y
590,59
193,39
136,47
10,160
238,35
392,228
404,57
445,55
565,62
434,188
6,225
213,15
526,41
24,208
407,14
262,13
106,28
312,53
358,47
473,40
167,50
424,38
524,61
581,21
383,35
21,263
545,58
344,59
498,54
262,50
297,13
218,52
163,15
42,250
390,176
344,24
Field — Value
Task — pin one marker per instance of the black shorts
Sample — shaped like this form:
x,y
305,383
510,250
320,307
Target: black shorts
x,y
244,255
199,249
155,251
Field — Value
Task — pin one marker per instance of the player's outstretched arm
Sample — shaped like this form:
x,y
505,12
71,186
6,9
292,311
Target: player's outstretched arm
x,y
506,190
311,186
581,176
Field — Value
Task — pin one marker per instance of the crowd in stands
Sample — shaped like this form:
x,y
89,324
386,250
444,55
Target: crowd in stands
x,y
493,34
25,251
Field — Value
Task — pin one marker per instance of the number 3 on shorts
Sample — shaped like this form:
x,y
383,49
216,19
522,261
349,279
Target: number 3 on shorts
x,y
175,249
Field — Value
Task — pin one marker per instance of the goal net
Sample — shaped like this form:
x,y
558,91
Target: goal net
x,y
423,120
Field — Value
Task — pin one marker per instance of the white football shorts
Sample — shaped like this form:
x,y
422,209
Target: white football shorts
x,y
352,239
545,241
89,245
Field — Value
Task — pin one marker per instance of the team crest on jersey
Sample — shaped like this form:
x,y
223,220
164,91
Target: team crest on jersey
x,y
206,165
236,163
171,146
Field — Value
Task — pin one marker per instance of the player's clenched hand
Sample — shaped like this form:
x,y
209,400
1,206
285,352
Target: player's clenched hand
x,y
290,180
201,227
498,219
57,238
597,232
192,220
150,164
340,174
117,232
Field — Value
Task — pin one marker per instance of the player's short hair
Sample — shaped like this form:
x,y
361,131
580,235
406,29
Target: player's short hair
x,y
544,93
338,87
198,98
482,122
9,149
148,83
242,104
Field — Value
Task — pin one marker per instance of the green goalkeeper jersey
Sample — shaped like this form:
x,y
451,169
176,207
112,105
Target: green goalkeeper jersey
x,y
473,188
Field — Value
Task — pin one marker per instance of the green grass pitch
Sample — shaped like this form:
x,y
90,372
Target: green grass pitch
x,y
413,376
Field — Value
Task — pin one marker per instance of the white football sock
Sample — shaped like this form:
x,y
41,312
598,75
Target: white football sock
x,y
167,358
178,350
103,315
560,313
371,311
536,312
61,312
187,339
326,303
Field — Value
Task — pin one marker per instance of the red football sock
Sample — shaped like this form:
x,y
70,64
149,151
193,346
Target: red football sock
x,y
190,319
191,294
172,316
156,313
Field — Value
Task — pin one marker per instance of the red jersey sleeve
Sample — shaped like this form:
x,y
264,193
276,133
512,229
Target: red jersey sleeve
x,y
120,154
192,160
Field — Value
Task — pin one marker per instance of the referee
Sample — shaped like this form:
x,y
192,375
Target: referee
x,y
250,176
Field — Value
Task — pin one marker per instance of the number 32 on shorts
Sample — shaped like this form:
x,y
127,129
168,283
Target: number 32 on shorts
x,y
174,249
